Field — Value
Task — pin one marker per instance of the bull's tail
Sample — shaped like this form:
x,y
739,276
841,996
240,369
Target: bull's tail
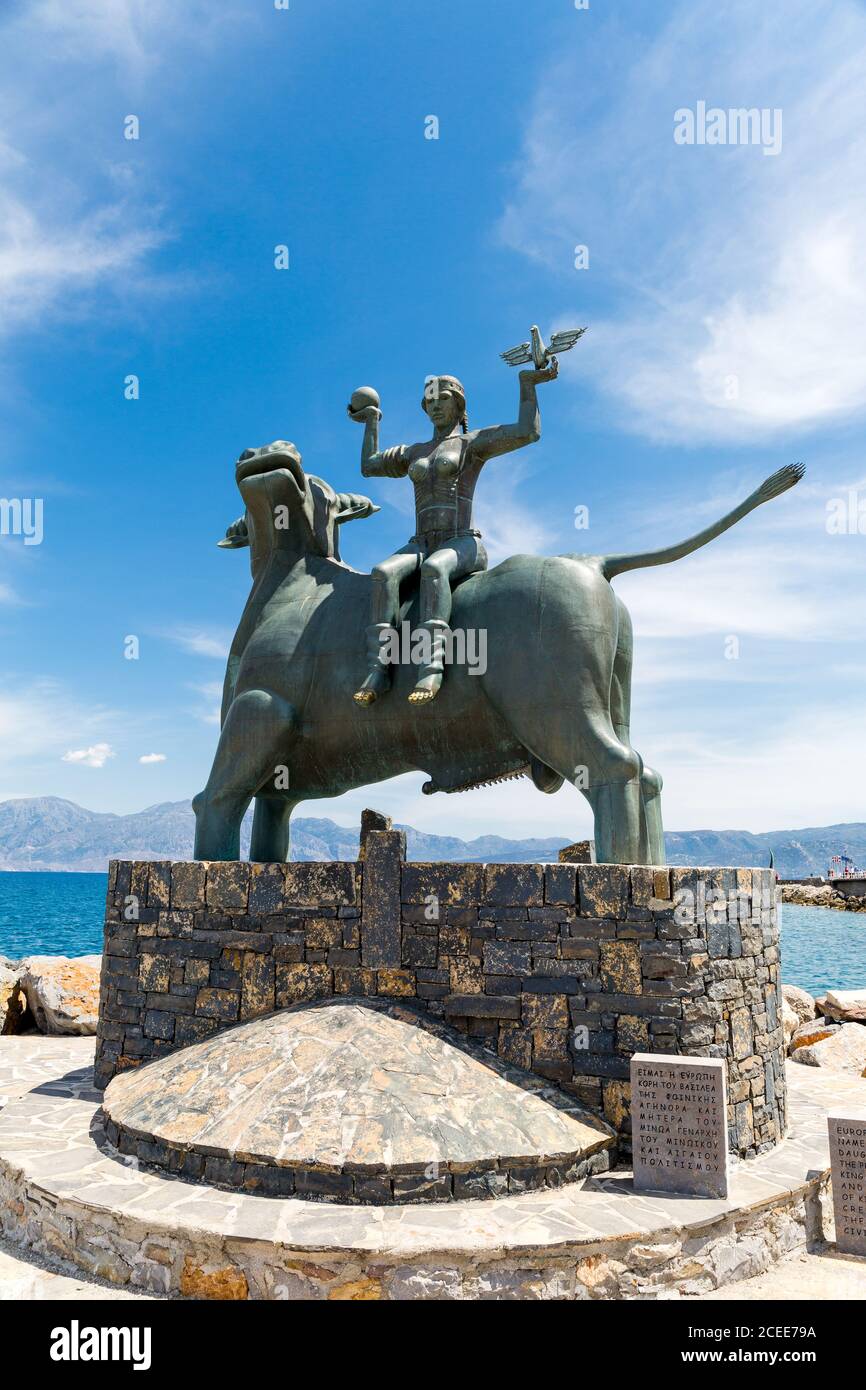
x,y
777,483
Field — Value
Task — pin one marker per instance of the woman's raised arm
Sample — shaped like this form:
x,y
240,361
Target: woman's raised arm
x,y
501,439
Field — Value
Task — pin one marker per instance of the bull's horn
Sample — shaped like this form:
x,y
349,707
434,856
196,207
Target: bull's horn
x,y
357,508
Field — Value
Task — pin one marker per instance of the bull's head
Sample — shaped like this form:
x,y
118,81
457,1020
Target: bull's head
x,y
288,508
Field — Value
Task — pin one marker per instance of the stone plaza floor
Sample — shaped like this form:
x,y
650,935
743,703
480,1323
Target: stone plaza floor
x,y
77,1203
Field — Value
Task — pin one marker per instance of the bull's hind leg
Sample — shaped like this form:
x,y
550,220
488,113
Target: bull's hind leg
x,y
652,841
653,829
582,746
252,740
613,791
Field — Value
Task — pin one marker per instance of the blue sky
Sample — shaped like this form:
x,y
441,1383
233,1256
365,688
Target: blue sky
x,y
306,127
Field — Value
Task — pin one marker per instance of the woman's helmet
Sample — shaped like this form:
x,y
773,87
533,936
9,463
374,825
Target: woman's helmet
x,y
435,384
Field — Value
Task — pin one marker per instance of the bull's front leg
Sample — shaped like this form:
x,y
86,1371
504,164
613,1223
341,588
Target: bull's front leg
x,y
271,837
250,753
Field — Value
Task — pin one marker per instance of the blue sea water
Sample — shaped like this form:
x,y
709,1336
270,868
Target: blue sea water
x,y
51,914
822,948
61,914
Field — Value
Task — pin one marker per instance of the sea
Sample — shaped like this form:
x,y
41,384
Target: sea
x,y
61,914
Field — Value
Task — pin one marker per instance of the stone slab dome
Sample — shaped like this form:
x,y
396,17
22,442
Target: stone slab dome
x,y
352,1101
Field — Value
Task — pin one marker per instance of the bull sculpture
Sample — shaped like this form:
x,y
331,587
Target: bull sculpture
x,y
553,702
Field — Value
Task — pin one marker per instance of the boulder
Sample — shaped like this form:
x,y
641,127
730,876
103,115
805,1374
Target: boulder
x,y
800,1000
62,993
11,1002
790,1021
846,1005
807,1033
843,1050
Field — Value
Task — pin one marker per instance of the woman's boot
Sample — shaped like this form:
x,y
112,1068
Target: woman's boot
x,y
432,671
379,674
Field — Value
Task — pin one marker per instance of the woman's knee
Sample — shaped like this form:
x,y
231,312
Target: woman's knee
x,y
383,575
436,567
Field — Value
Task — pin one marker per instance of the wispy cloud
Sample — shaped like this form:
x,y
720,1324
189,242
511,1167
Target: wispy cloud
x,y
740,277
212,692
134,34
780,574
200,642
508,525
60,241
43,257
38,719
152,758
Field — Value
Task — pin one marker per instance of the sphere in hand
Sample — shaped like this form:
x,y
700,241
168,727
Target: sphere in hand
x,y
364,397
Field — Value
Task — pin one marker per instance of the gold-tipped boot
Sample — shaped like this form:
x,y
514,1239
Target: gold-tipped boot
x,y
429,682
378,679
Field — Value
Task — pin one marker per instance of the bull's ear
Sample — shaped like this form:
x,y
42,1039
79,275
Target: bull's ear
x,y
353,506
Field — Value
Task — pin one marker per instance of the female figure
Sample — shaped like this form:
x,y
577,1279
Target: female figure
x,y
445,547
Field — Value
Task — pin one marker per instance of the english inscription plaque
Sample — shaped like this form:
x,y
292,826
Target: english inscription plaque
x,y
848,1175
679,1124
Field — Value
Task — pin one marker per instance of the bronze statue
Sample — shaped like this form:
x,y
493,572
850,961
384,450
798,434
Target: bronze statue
x,y
446,547
553,703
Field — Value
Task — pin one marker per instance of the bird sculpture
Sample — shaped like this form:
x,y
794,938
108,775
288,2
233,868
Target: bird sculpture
x,y
535,350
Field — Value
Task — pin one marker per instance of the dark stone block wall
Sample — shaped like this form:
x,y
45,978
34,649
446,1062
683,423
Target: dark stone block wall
x,y
563,969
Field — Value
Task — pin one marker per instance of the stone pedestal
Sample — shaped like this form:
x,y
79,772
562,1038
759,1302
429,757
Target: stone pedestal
x,y
563,969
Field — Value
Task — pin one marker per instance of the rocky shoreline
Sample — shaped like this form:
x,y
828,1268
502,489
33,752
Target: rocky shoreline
x,y
826,1032
820,895
56,995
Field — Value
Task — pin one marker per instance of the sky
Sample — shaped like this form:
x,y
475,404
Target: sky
x,y
722,281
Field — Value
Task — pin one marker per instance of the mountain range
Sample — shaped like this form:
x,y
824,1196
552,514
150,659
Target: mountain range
x,y
48,833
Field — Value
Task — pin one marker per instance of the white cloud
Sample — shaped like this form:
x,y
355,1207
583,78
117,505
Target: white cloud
x,y
136,34
213,694
779,574
764,776
44,257
64,230
38,718
508,526
734,271
200,642
95,756
152,758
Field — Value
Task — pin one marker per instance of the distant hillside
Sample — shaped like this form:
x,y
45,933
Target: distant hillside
x,y
45,832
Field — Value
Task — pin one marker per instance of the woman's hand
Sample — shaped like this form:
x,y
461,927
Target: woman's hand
x,y
534,378
367,415
364,405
